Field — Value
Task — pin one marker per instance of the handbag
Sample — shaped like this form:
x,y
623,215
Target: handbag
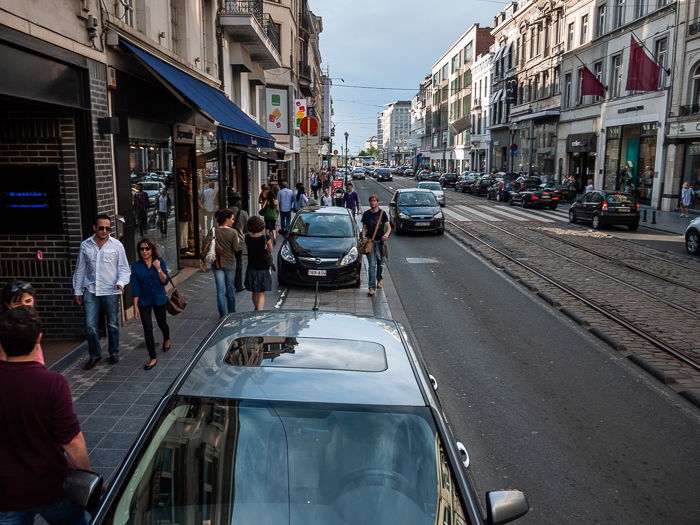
x,y
210,249
176,302
364,245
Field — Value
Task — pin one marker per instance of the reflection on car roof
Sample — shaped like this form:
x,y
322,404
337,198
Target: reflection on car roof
x,y
395,384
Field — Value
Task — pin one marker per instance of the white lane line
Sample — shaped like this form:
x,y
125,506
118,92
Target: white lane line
x,y
484,216
511,216
455,216
550,215
527,215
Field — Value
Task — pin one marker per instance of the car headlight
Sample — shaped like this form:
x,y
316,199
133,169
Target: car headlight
x,y
404,216
438,215
350,257
286,253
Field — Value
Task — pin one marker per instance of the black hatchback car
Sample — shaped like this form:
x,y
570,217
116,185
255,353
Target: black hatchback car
x,y
321,246
384,174
448,180
481,185
416,209
605,208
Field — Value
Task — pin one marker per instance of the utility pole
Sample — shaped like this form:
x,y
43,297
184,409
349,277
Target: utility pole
x,y
346,150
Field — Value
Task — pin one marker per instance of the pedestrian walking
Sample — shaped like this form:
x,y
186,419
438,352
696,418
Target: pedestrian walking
x,y
101,273
41,439
326,199
271,210
351,199
300,199
589,186
262,197
18,293
224,268
240,224
258,279
315,184
163,204
149,275
141,209
687,195
285,198
375,226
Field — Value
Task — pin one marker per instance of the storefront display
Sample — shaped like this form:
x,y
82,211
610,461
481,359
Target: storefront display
x,y
691,171
630,154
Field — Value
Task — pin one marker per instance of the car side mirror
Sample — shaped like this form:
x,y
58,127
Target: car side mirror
x,y
392,204
503,506
84,488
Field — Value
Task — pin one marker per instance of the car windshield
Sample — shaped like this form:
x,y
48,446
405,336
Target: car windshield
x,y
322,225
430,185
417,199
383,171
240,462
619,198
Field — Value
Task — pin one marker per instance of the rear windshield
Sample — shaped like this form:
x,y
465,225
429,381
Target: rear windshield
x,y
417,199
241,462
430,185
321,225
618,198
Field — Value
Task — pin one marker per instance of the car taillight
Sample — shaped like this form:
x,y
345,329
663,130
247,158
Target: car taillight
x,y
605,206
636,204
535,197
503,186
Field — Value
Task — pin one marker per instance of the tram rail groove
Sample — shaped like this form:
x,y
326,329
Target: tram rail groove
x,y
625,323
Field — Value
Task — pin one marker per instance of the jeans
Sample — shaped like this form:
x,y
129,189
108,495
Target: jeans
x,y
163,222
225,291
285,220
147,323
64,512
375,265
92,305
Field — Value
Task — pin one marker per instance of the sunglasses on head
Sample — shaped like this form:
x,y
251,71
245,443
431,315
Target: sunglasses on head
x,y
104,228
19,286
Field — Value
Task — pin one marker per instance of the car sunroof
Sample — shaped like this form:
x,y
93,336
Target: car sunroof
x,y
307,352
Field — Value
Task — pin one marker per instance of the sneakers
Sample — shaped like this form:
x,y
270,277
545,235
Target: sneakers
x,y
380,284
370,292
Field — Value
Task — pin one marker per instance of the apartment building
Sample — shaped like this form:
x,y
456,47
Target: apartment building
x,y
479,137
419,140
395,125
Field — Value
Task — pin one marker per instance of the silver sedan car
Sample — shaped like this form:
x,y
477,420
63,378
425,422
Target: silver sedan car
x,y
301,418
436,188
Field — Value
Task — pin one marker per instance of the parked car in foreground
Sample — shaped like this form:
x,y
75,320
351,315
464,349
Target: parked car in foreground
x,y
692,236
499,190
301,417
321,246
416,209
435,188
605,208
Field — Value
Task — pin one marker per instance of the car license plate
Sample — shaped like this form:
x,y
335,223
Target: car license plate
x,y
422,224
623,210
317,273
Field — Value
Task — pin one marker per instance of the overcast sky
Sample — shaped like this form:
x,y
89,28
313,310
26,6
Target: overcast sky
x,y
386,43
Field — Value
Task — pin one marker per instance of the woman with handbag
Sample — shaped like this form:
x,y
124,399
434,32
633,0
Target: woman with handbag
x,y
258,279
148,278
226,241
272,208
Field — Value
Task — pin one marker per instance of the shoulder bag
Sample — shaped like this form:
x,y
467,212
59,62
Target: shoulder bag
x,y
176,302
364,245
210,249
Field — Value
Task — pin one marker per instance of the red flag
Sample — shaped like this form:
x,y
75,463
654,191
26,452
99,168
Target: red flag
x,y
643,73
590,85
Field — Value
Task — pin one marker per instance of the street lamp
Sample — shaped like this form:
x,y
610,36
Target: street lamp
x,y
346,150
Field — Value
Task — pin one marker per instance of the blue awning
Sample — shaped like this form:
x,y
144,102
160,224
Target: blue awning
x,y
233,125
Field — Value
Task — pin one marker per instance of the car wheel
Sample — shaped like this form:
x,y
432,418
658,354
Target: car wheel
x,y
692,242
553,207
596,222
633,227
572,217
441,231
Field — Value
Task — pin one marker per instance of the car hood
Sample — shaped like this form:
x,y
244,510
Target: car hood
x,y
321,246
419,210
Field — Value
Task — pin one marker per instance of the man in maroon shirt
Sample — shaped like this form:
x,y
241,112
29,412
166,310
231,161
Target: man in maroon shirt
x,y
40,431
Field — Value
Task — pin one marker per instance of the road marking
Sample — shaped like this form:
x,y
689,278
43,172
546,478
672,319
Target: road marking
x,y
497,209
552,214
528,216
454,215
421,260
468,210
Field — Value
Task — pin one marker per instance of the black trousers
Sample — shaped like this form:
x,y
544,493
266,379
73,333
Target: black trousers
x,y
147,323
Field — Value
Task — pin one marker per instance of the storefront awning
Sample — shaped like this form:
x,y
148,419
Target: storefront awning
x,y
233,125
253,153
496,97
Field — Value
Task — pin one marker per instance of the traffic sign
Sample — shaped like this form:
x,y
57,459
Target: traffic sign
x,y
309,125
336,183
335,152
513,147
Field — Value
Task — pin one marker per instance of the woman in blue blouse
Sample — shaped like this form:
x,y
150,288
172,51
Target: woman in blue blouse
x,y
148,278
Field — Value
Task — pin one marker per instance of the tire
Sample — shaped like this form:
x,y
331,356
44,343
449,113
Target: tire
x,y
440,231
692,242
572,217
633,227
554,207
595,222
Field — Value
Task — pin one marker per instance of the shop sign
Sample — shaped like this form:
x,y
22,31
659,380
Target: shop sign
x,y
613,132
277,120
649,129
581,143
300,111
184,134
630,109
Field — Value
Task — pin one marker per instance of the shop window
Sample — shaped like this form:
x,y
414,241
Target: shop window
x,y
30,200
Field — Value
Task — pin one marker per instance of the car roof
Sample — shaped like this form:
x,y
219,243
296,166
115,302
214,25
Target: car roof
x,y
397,384
409,190
325,210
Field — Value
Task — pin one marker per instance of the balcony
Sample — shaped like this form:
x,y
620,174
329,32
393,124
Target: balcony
x,y
243,21
305,80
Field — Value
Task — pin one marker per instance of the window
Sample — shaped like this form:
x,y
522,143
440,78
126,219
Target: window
x,y
640,8
598,72
570,37
579,87
618,13
436,78
557,29
546,88
695,94
584,29
600,30
547,31
125,11
532,41
661,54
445,72
615,75
468,51
557,81
567,90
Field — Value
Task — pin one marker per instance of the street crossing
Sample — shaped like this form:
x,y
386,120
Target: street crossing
x,y
491,213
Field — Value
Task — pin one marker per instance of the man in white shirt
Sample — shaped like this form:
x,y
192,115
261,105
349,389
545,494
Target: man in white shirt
x,y
101,273
285,199
326,199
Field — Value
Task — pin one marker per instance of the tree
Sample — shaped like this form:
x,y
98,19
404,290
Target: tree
x,y
362,153
372,151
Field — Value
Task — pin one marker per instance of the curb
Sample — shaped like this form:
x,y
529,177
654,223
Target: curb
x,y
607,339
690,396
658,374
574,317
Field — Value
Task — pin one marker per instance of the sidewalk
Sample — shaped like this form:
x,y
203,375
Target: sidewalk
x,y
114,401
667,221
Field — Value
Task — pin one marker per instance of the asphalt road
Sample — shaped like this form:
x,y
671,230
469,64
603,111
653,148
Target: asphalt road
x,y
540,405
